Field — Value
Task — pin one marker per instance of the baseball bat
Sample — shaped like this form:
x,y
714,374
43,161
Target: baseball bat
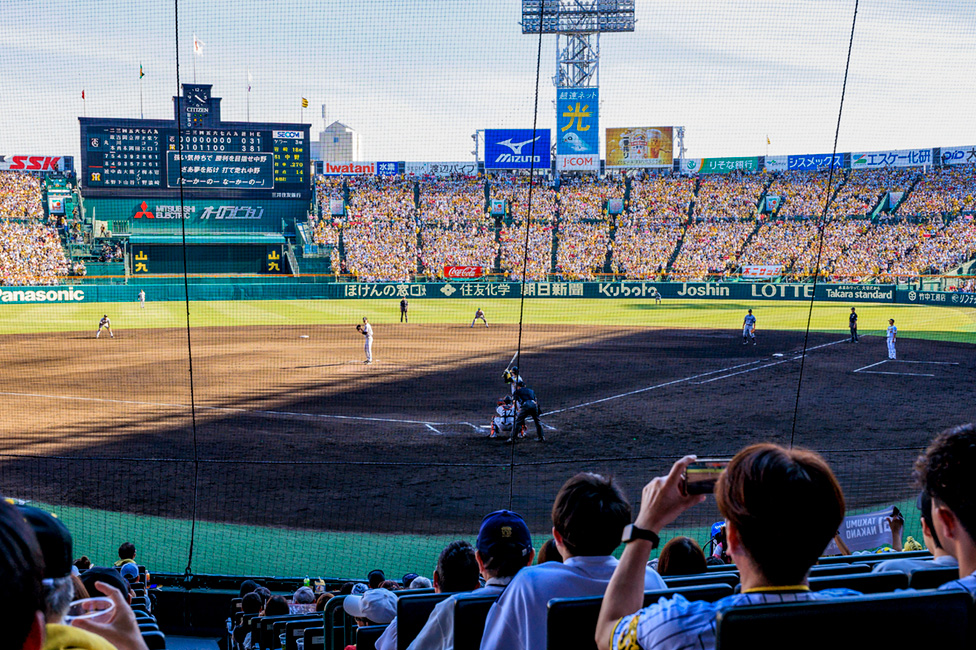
x,y
510,363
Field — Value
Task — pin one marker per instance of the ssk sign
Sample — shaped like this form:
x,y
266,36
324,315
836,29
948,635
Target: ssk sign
x,y
32,163
578,162
462,272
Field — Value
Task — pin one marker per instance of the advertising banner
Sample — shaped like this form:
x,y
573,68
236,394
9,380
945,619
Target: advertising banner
x,y
776,163
640,147
55,204
898,158
813,162
349,168
32,163
200,215
578,129
761,271
863,532
772,202
943,298
386,169
615,206
441,168
958,155
727,165
498,207
336,207
517,149
463,272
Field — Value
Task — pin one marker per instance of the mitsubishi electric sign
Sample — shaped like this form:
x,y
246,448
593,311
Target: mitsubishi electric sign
x,y
517,149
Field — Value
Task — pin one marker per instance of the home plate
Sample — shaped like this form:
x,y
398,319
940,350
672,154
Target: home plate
x,y
305,336
777,354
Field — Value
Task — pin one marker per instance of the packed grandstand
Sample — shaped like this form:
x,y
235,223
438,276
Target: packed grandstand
x,y
671,227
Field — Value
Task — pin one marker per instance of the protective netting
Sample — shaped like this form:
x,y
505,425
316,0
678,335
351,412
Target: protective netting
x,y
227,422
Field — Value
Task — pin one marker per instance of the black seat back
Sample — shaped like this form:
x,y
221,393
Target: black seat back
x,y
366,636
295,630
412,614
280,627
154,640
314,638
820,571
470,612
913,619
933,578
571,622
866,583
731,579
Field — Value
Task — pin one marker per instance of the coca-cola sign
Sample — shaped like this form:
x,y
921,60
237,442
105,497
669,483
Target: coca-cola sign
x,y
462,272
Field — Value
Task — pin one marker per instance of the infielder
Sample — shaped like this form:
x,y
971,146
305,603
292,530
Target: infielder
x,y
479,315
367,330
892,334
656,295
107,324
142,299
404,305
852,322
749,329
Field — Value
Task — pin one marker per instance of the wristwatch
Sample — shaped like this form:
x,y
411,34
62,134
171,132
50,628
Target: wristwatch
x,y
632,532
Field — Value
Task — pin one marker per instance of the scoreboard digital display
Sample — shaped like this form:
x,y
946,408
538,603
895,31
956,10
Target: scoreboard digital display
x,y
129,157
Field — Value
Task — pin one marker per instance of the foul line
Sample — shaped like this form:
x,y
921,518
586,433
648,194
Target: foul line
x,y
903,374
770,365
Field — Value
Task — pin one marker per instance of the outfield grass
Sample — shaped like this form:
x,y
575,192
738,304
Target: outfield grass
x,y
913,321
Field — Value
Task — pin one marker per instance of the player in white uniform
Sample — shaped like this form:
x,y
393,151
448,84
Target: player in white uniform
x,y
479,315
142,299
107,324
892,333
504,418
367,331
749,329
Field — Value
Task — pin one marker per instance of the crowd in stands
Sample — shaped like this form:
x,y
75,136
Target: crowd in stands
x,y
584,229
941,192
380,231
732,197
455,229
711,248
20,196
30,254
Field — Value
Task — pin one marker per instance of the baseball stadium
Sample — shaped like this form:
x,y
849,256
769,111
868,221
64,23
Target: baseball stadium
x,y
262,343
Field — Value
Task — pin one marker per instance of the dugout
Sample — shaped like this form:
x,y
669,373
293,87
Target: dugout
x,y
223,253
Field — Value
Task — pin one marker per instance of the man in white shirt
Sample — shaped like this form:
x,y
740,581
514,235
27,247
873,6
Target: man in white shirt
x,y
504,548
588,518
892,334
939,556
367,330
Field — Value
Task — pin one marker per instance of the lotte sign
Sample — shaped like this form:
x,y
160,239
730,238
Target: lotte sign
x,y
463,272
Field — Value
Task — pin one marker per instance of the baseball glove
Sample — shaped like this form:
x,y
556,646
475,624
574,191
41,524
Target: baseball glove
x,y
359,328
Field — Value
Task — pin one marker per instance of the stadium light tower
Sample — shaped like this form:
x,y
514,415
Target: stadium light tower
x,y
577,25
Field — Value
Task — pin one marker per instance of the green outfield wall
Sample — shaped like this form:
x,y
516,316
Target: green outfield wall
x,y
285,289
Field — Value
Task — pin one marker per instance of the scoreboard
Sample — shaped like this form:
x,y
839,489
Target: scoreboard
x,y
143,157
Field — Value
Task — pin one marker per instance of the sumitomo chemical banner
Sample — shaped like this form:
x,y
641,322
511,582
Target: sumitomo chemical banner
x,y
517,149
958,155
899,158
862,532
578,129
441,168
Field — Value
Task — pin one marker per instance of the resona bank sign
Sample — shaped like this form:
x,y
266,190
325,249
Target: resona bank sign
x,y
61,294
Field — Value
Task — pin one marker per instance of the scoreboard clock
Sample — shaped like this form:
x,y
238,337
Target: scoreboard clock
x,y
196,105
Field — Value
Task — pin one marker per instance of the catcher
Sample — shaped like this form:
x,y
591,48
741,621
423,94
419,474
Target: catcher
x,y
749,329
504,419
367,330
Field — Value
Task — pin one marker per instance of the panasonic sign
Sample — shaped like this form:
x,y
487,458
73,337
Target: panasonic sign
x,y
67,294
517,149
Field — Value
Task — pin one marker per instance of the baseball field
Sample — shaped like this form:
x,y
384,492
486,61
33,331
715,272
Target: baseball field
x,y
295,443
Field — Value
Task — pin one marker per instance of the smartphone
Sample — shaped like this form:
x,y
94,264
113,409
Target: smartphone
x,y
701,476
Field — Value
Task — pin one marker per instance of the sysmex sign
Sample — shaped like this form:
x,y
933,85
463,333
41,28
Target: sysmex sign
x,y
61,294
517,149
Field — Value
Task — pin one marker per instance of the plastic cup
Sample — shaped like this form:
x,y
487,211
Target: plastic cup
x,y
300,643
99,608
283,638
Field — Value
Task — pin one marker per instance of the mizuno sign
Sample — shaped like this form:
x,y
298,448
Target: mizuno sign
x,y
517,149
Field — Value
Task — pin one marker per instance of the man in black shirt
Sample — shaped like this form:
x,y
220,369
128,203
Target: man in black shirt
x,y
528,407
404,305
852,321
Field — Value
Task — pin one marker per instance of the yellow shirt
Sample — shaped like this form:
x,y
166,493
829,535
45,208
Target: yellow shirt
x,y
65,637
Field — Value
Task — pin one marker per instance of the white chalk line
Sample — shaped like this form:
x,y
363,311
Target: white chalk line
x,y
901,374
770,365
865,370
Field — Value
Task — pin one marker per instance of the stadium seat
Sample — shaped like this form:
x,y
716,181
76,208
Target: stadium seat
x,y
731,579
470,612
280,627
571,622
337,626
412,614
873,557
265,628
366,636
905,620
866,583
295,630
314,638
838,569
155,640
932,578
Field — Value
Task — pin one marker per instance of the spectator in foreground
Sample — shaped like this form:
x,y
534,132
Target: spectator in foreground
x,y
549,553
375,578
680,557
421,582
939,556
302,601
21,569
947,473
276,606
781,506
375,607
457,571
504,547
588,518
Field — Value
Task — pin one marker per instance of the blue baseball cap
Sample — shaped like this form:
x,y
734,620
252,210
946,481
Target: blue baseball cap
x,y
716,528
503,529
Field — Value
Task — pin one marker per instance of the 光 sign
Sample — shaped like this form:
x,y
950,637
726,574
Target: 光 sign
x,y
517,149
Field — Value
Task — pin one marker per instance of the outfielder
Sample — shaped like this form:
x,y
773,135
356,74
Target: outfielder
x,y
479,315
749,329
107,324
404,305
142,299
892,334
367,330
852,322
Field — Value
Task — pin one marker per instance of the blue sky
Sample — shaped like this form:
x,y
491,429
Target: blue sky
x,y
416,78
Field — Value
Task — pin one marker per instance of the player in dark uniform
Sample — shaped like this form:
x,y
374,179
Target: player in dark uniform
x,y
852,322
528,408
403,310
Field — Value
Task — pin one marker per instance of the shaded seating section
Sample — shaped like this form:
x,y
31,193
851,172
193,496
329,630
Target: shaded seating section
x,y
366,636
470,613
146,620
866,583
571,622
932,578
412,614
879,621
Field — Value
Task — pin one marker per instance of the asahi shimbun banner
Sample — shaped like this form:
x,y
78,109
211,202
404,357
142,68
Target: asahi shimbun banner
x,y
899,158
644,146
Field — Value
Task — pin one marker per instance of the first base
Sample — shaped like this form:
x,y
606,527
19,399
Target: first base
x,y
303,336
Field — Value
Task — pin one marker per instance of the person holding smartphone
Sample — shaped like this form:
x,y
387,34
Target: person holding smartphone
x,y
781,506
